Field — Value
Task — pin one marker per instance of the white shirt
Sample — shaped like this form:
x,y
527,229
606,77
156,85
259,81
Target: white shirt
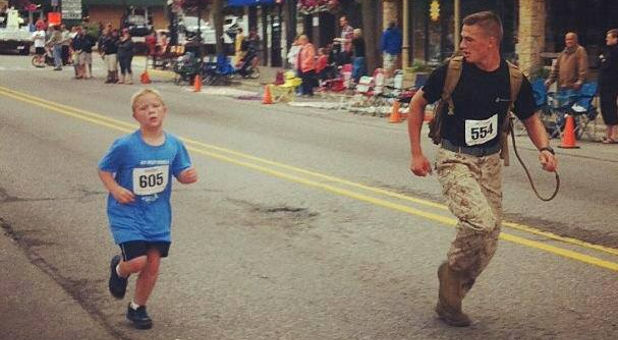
x,y
39,38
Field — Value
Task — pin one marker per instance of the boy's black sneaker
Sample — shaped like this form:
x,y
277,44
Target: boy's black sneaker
x,y
139,317
117,284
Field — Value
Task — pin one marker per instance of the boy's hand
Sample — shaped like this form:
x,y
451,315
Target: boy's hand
x,y
188,176
123,195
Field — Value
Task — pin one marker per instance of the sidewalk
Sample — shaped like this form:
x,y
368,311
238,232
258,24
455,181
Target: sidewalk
x,y
33,305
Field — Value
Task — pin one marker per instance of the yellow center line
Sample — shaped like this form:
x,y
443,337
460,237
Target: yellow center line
x,y
513,225
206,149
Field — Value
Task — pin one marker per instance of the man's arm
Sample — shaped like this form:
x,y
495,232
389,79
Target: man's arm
x,y
122,195
582,67
420,165
538,136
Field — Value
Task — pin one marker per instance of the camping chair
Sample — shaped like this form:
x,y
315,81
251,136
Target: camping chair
x,y
577,104
583,110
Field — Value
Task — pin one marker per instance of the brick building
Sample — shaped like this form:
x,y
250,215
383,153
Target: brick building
x,y
534,29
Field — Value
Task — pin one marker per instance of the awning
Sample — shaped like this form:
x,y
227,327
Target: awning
x,y
242,3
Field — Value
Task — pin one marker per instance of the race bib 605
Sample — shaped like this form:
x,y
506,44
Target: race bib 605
x,y
151,180
481,131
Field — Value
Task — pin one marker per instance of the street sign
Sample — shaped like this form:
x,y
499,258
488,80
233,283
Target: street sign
x,y
72,9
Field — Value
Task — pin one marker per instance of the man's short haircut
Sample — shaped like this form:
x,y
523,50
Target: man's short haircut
x,y
488,21
144,92
613,32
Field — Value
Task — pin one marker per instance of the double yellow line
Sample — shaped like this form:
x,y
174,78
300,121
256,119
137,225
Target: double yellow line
x,y
339,186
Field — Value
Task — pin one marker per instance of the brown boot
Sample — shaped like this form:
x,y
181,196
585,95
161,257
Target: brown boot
x,y
449,298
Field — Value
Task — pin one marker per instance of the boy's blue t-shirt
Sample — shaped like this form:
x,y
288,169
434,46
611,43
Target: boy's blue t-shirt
x,y
147,171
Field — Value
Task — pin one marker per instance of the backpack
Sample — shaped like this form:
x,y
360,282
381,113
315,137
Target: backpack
x,y
445,103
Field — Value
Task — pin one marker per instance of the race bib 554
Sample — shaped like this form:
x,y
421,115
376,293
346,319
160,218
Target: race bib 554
x,y
481,131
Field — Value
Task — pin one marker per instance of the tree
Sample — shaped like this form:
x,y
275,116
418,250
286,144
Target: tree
x,y
216,7
217,18
370,27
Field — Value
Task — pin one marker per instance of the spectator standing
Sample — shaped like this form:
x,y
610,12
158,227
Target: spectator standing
x,y
571,66
358,47
39,41
66,42
125,56
89,42
55,42
345,40
608,86
74,55
78,49
293,52
306,65
110,53
390,45
239,46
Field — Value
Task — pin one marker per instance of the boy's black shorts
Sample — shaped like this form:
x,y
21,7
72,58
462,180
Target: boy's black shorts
x,y
133,249
39,50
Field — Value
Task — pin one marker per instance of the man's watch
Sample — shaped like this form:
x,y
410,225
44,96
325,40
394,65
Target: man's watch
x,y
547,148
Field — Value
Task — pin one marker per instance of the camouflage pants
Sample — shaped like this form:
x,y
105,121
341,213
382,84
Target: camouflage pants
x,y
473,189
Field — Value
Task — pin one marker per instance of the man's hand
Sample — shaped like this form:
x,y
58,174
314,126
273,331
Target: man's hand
x,y
577,86
122,195
548,161
188,176
420,166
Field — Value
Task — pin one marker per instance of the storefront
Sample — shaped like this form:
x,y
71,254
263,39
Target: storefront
x,y
533,29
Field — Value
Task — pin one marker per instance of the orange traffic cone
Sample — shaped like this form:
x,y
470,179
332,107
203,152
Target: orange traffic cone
x,y
395,117
144,78
568,137
268,99
197,83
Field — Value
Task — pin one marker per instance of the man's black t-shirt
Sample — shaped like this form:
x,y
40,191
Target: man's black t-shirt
x,y
478,97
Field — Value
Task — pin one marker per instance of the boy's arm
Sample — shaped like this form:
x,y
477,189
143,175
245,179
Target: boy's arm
x,y
122,195
187,176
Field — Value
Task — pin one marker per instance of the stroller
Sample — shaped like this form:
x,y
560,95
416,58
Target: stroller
x,y
186,68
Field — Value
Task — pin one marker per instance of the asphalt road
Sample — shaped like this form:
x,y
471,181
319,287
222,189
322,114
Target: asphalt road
x,y
306,224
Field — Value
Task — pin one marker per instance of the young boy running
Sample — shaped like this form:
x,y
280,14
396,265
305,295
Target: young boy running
x,y
137,171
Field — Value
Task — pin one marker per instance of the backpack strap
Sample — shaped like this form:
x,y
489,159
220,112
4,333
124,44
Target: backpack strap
x,y
515,79
453,72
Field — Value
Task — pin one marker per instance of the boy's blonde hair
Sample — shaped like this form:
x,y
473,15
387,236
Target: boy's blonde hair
x,y
143,92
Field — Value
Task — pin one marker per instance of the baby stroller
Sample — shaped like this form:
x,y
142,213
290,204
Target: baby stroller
x,y
186,68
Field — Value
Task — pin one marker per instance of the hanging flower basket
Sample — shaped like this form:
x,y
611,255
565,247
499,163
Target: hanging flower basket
x,y
306,7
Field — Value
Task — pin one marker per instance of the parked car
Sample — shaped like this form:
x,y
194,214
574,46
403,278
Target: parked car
x,y
189,26
138,25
